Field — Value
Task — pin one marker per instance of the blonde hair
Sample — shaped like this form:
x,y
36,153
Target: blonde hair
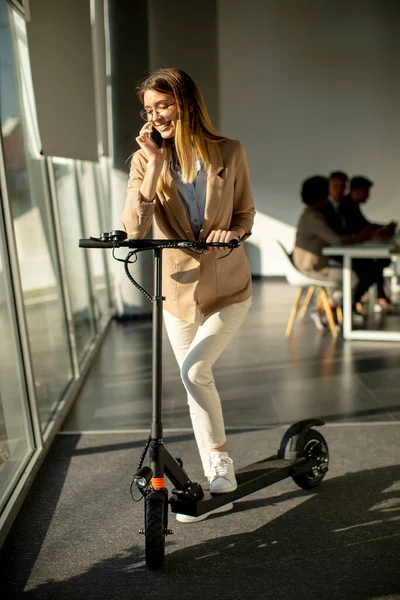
x,y
193,125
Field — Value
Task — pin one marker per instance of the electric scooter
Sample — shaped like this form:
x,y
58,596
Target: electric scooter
x,y
303,453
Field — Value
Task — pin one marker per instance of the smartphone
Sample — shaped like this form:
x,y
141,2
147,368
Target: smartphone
x,y
156,137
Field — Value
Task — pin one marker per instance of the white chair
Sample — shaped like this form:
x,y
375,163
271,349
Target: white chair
x,y
392,274
303,282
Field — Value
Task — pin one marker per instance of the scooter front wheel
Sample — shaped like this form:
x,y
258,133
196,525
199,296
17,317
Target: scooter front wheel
x,y
314,446
156,515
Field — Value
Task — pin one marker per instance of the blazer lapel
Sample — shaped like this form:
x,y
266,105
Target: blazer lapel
x,y
215,186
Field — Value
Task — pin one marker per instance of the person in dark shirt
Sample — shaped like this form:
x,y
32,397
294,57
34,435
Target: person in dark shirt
x,y
337,189
339,219
350,207
355,221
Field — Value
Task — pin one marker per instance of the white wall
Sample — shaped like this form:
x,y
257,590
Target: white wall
x,y
310,86
184,34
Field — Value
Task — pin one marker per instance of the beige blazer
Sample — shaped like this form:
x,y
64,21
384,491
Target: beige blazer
x,y
314,234
211,281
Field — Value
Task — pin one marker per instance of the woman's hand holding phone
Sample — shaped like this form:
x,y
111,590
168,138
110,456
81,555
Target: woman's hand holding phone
x,y
155,157
150,140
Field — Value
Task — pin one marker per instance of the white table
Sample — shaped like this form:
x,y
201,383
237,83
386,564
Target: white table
x,y
365,250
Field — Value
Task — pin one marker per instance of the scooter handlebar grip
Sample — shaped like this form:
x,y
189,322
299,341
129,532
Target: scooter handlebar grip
x,y
88,243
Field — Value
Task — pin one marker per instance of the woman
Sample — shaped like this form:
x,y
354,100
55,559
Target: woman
x,y
195,186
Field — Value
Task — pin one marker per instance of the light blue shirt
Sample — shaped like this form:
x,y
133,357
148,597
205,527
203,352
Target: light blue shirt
x,y
193,195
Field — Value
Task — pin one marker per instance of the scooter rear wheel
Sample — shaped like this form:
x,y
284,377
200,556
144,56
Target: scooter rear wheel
x,y
315,446
155,529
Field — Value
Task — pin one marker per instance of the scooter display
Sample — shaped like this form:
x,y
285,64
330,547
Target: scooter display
x,y
303,454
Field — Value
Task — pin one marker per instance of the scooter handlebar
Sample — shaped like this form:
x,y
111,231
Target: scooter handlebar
x,y
92,243
115,242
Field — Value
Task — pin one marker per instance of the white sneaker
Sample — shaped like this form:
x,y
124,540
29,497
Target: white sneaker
x,y
222,474
316,318
188,519
325,323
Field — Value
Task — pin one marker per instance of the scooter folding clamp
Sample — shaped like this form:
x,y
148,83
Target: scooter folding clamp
x,y
193,491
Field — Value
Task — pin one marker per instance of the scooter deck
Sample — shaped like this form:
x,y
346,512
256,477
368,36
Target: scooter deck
x,y
250,479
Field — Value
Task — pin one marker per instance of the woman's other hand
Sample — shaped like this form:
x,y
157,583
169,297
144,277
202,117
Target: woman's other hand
x,y
223,236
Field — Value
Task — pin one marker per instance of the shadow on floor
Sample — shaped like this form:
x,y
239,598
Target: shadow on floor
x,y
341,542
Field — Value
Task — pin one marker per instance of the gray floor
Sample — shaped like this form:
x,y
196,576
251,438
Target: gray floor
x,y
76,536
264,378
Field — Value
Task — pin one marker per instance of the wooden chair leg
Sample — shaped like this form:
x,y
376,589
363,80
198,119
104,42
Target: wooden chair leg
x,y
293,312
339,314
307,300
328,312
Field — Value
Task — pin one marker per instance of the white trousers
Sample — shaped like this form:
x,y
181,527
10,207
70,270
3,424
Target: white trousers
x,y
196,347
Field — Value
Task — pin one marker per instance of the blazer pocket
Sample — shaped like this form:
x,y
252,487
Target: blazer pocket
x,y
170,280
233,272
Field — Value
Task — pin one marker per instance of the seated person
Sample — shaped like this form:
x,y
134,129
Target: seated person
x,y
350,208
338,183
314,233
355,221
337,188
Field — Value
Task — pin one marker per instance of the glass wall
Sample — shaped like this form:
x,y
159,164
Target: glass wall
x,y
16,438
28,203
75,259
16,435
93,225
54,296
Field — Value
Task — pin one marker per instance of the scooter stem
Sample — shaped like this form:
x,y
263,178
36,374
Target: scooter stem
x,y
156,425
